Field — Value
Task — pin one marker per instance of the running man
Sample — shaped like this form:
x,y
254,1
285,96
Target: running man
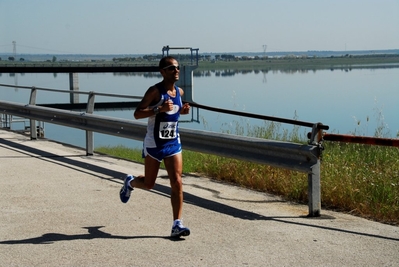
x,y
162,105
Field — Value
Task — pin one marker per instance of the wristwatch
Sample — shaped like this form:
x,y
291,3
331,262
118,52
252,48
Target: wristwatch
x,y
156,110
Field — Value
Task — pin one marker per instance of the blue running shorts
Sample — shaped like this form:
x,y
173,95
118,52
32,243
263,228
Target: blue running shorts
x,y
161,153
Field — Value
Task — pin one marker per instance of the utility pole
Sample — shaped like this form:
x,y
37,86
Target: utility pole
x,y
264,50
14,49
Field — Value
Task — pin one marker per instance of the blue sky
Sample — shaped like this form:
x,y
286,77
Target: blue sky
x,y
143,27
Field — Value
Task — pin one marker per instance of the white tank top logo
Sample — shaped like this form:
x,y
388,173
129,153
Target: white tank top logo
x,y
174,110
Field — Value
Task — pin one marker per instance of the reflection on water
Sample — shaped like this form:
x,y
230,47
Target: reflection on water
x,y
348,100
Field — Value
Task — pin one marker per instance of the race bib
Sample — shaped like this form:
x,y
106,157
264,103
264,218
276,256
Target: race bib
x,y
167,130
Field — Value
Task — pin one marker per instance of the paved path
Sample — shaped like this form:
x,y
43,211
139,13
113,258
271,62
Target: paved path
x,y
61,208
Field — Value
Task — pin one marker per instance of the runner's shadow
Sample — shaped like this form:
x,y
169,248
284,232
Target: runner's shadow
x,y
94,232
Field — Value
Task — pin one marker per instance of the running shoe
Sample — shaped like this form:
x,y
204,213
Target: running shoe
x,y
179,230
126,189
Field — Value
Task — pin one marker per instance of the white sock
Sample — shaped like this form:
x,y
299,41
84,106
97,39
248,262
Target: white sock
x,y
177,222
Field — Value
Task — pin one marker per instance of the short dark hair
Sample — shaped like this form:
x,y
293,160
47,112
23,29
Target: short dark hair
x,y
163,62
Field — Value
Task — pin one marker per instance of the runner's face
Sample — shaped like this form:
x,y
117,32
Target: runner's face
x,y
171,71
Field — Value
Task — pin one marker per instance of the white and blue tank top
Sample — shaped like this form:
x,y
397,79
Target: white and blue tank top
x,y
162,128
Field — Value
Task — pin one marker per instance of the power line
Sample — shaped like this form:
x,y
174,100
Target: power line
x,y
32,47
45,49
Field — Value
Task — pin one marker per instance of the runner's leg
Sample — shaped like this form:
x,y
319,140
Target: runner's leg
x,y
151,169
174,167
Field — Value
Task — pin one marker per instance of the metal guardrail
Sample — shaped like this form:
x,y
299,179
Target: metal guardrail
x,y
303,158
287,155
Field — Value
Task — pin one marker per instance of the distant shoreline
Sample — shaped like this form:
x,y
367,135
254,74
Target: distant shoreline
x,y
270,54
290,62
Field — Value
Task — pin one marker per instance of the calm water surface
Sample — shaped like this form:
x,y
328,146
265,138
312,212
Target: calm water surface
x,y
357,100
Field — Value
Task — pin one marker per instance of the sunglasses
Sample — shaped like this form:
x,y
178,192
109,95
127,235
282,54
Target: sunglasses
x,y
171,67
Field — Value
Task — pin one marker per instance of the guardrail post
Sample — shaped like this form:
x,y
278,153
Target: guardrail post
x,y
32,101
314,194
89,134
314,190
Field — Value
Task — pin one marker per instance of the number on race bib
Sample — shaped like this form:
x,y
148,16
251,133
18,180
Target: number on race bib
x,y
167,130
166,134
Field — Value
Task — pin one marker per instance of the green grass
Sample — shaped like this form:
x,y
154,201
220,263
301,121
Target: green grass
x,y
362,179
359,179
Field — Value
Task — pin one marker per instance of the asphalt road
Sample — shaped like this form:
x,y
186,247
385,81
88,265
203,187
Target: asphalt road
x,y
62,208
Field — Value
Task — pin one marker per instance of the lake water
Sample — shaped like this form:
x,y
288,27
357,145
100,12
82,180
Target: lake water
x,y
348,101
